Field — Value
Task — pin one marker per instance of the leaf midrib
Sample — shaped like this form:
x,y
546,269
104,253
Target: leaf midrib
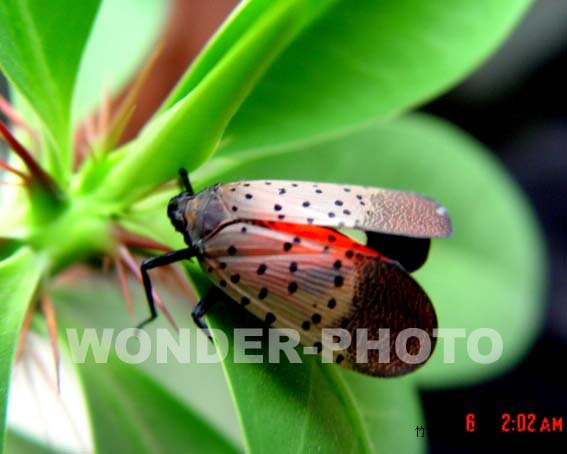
x,y
353,411
125,407
301,443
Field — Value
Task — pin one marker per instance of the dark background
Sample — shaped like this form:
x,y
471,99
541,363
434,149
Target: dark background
x,y
515,104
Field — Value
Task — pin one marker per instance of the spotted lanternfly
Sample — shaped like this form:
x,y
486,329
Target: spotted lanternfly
x,y
274,247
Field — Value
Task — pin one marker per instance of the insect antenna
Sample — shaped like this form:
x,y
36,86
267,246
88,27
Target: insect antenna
x,y
184,177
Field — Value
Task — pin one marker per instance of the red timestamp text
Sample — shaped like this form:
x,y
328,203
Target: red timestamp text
x,y
531,423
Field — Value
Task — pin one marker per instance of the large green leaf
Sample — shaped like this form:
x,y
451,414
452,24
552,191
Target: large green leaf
x,y
97,303
488,275
313,407
187,133
234,28
17,443
132,413
122,36
19,277
368,60
228,34
41,44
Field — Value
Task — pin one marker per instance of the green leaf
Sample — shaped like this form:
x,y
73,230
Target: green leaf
x,y
17,443
149,218
97,303
122,36
234,29
186,134
488,275
368,60
40,52
314,407
391,409
235,25
132,413
19,278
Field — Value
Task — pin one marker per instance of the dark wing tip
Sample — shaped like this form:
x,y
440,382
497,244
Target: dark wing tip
x,y
390,299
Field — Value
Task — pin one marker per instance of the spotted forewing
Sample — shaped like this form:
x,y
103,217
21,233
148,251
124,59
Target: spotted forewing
x,y
370,209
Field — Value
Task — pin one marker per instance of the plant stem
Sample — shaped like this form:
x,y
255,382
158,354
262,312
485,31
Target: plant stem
x,y
36,171
9,168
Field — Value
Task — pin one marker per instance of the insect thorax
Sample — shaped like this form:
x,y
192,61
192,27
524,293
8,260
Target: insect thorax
x,y
197,216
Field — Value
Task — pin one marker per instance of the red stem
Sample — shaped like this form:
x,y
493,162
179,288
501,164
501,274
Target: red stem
x,y
11,169
35,169
15,119
135,241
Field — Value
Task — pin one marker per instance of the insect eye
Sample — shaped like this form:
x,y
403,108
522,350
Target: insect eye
x,y
176,211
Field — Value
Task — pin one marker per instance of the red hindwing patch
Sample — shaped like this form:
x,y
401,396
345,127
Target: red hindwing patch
x,y
307,277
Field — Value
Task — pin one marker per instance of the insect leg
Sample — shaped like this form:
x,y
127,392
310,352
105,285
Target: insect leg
x,y
201,309
154,262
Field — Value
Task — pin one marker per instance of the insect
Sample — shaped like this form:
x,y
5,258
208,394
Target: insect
x,y
275,248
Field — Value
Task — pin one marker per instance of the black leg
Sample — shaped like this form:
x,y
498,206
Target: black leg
x,y
162,260
201,309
